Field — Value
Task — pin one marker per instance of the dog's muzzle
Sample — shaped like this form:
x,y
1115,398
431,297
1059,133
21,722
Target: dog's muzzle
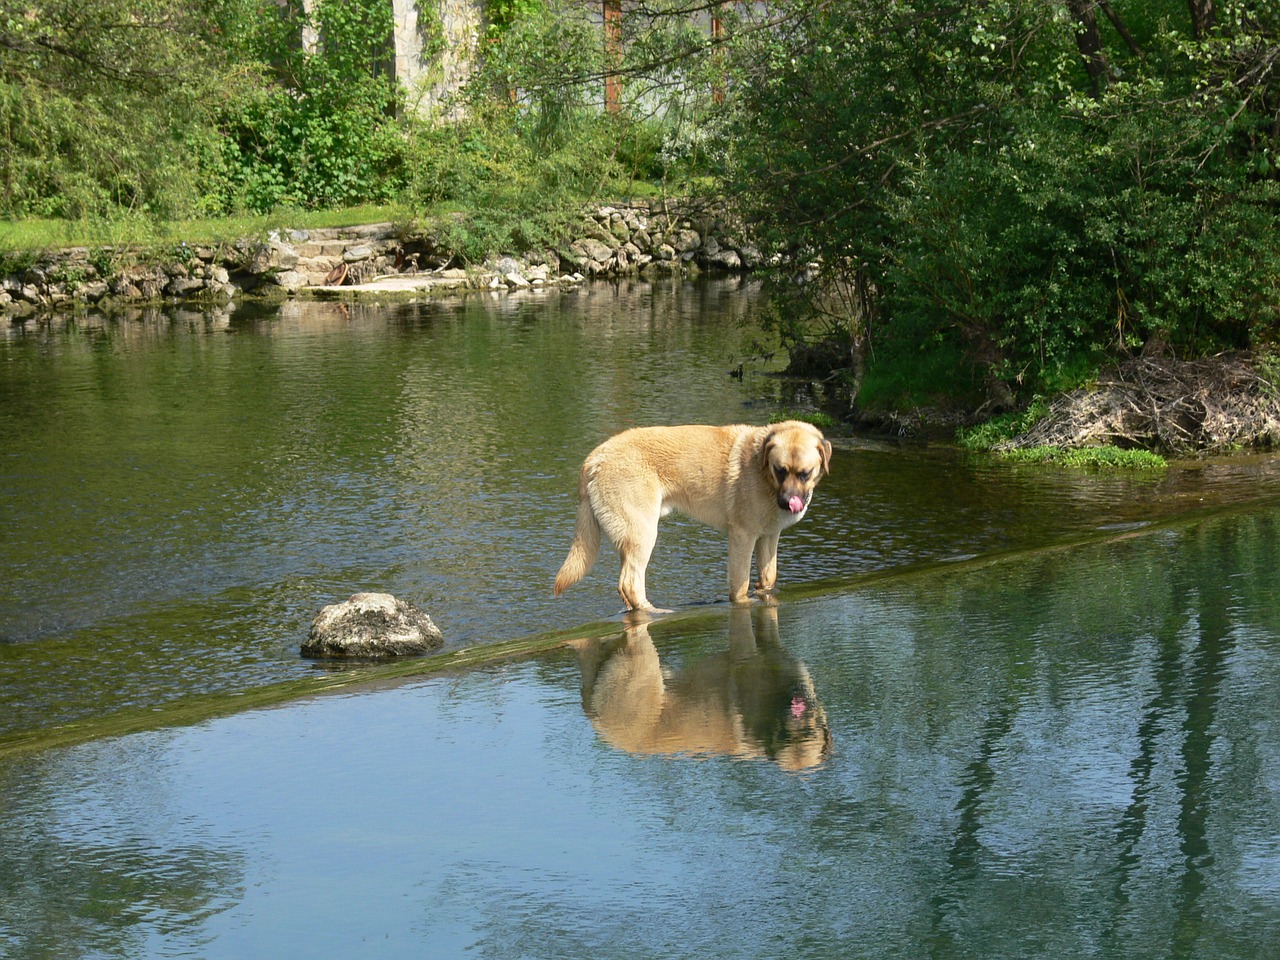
x,y
793,503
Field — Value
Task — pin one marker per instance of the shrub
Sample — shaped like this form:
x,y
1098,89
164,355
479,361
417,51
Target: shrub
x,y
1003,206
321,129
532,148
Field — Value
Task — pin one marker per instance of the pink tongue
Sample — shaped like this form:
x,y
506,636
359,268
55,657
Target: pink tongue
x,y
795,504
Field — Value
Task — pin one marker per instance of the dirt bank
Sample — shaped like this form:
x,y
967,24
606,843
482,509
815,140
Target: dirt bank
x,y
1175,407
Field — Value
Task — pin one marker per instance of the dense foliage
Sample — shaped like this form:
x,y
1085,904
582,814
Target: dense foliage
x,y
539,139
221,106
321,128
533,145
102,104
1017,188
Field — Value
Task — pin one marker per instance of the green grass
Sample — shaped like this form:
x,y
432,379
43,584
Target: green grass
x,y
1006,426
820,419
985,437
1089,458
143,232
17,236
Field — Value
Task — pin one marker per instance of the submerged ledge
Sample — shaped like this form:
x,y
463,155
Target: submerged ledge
x,y
188,711
191,710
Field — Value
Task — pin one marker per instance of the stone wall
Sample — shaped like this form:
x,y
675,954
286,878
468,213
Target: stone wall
x,y
664,237
431,86
611,241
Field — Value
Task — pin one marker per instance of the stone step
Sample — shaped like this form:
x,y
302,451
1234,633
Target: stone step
x,y
320,265
358,248
324,248
366,232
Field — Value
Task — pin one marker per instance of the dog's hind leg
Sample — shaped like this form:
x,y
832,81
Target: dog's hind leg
x,y
634,549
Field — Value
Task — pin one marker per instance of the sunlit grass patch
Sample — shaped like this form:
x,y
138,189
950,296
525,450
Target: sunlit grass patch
x,y
1000,429
138,231
996,434
1095,458
820,419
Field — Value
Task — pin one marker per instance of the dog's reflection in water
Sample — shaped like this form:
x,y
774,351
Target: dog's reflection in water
x,y
753,700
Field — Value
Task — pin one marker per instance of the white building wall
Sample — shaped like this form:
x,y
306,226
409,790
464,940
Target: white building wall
x,y
430,86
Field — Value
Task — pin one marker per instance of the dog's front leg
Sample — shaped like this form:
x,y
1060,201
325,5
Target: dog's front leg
x,y
767,562
740,546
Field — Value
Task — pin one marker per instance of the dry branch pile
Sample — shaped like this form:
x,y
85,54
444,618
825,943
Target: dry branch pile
x,y
1166,405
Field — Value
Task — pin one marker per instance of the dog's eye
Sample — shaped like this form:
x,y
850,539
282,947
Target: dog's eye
x,y
780,473
803,476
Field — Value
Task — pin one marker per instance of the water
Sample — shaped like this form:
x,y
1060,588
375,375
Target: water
x,y
180,494
179,498
1066,756
996,750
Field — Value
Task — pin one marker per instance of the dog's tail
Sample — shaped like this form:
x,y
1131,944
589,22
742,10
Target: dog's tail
x,y
586,541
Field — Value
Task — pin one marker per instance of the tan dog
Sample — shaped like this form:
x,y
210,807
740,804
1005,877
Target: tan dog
x,y
749,481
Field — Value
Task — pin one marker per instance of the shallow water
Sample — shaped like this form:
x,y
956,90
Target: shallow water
x,y
1065,756
946,741
181,493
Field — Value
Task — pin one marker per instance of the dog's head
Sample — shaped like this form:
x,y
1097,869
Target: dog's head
x,y
795,457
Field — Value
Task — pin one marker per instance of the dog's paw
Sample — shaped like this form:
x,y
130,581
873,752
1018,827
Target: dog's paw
x,y
648,609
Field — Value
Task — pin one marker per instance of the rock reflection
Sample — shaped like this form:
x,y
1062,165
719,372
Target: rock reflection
x,y
752,701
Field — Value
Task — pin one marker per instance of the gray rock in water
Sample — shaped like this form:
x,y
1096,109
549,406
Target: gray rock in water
x,y
183,287
371,625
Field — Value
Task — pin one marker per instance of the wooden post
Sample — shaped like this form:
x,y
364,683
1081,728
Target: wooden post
x,y
717,34
612,55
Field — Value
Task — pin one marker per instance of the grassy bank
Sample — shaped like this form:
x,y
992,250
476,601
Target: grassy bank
x,y
1002,435
142,232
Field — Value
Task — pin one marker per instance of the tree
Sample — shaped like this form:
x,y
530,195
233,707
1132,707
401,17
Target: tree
x,y
89,88
1089,41
318,127
1016,190
1203,18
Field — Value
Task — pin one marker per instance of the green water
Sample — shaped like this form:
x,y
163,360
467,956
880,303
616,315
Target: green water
x,y
179,495
1000,712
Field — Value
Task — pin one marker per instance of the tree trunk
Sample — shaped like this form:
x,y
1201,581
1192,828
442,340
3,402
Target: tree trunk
x,y
1203,18
612,55
1122,29
1089,42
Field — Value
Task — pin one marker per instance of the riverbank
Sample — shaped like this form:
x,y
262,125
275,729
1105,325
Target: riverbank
x,y
1154,402
368,261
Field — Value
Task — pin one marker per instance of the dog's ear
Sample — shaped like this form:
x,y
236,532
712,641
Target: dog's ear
x,y
766,445
824,448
